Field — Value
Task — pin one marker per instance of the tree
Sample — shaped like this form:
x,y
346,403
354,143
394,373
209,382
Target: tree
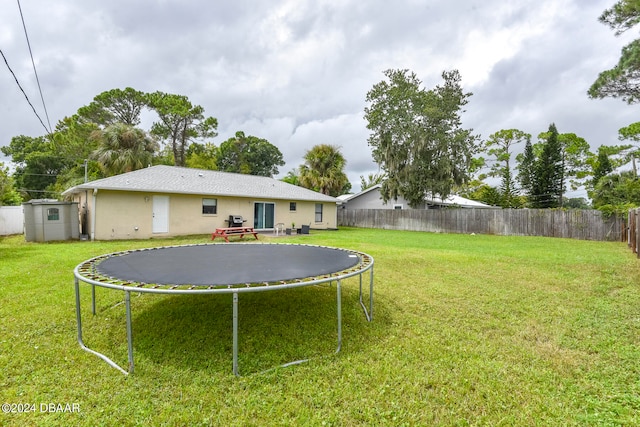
x,y
617,193
601,166
123,148
249,155
8,194
323,171
482,192
115,106
548,184
623,80
202,156
576,203
21,146
526,168
417,137
165,156
180,122
631,152
575,153
499,146
292,177
72,141
371,180
38,166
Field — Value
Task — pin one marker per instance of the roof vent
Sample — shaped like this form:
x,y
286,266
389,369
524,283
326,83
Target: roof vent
x,y
200,174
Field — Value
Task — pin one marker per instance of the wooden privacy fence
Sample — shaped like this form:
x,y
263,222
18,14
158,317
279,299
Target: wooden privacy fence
x,y
574,224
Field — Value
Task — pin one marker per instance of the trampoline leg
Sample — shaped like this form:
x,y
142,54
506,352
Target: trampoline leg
x,y
127,301
339,308
93,299
235,334
81,342
371,294
368,314
78,315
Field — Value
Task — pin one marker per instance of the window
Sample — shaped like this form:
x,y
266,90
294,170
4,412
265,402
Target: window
x,y
397,206
318,212
209,206
53,214
292,206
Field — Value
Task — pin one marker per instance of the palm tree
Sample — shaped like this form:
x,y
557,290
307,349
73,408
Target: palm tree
x,y
123,148
323,171
371,180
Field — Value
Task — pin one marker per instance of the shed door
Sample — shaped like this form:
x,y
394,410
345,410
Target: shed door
x,y
160,214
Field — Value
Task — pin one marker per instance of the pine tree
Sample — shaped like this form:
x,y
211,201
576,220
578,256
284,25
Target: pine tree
x,y
548,185
526,165
499,147
603,167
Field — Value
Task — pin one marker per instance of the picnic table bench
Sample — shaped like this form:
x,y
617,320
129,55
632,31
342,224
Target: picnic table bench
x,y
232,231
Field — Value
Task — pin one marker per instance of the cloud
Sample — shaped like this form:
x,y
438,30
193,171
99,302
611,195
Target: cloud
x,y
297,72
295,139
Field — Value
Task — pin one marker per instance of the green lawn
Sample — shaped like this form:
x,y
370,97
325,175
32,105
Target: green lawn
x,y
467,330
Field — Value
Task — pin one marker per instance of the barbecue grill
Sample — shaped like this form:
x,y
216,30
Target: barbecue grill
x,y
236,221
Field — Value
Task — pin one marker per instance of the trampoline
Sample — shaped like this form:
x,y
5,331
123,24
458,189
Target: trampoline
x,y
232,268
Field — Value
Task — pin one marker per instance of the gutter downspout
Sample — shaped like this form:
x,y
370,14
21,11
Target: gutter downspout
x,y
93,215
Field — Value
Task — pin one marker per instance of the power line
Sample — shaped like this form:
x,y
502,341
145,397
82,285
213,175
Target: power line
x,y
39,174
24,190
34,68
23,92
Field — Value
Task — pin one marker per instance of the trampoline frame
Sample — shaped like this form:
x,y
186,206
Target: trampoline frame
x,y
86,272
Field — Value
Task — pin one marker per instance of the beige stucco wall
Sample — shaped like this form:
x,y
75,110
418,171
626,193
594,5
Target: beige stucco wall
x,y
129,215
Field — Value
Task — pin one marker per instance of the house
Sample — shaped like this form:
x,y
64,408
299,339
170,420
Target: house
x,y
171,201
370,198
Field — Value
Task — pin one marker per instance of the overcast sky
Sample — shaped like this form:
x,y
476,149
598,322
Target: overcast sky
x,y
297,72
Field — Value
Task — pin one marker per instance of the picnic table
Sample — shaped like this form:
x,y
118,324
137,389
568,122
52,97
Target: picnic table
x,y
225,232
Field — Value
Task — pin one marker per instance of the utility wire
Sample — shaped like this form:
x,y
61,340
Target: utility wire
x,y
34,67
39,174
24,190
23,92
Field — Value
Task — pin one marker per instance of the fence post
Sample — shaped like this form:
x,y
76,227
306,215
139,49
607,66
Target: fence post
x,y
635,230
631,225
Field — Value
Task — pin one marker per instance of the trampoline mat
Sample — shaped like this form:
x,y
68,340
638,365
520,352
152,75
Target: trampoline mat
x,y
226,264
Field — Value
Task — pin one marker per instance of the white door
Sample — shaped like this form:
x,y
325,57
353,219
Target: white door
x,y
160,214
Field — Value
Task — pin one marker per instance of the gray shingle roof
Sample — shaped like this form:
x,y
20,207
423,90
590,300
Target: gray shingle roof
x,y
178,180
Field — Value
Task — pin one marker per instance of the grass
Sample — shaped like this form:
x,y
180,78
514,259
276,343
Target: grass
x,y
467,330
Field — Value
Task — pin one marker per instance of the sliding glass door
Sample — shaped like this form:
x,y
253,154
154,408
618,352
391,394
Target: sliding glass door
x,y
263,215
